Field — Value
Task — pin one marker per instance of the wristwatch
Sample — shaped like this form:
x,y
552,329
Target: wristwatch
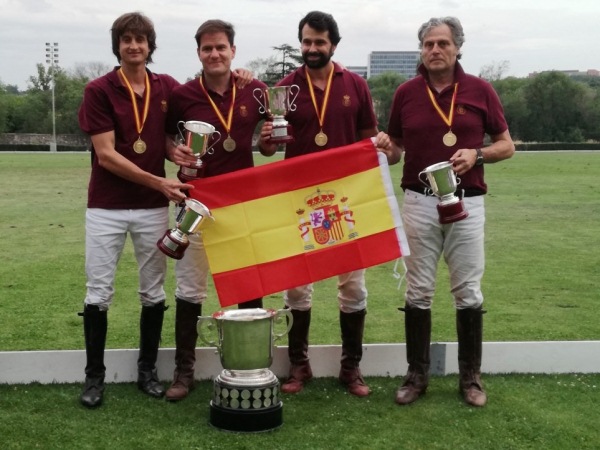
x,y
479,160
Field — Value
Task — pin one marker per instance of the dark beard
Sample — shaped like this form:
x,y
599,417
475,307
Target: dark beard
x,y
319,63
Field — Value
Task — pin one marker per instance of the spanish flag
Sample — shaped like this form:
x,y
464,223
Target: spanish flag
x,y
300,220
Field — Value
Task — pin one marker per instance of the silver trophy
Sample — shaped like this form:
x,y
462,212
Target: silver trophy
x,y
246,393
196,135
192,217
277,102
442,182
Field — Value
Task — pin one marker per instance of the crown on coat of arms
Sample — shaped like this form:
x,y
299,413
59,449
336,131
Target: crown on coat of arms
x,y
320,199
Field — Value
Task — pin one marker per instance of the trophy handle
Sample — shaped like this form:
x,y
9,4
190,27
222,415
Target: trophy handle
x,y
279,317
291,102
263,107
428,191
210,149
181,131
210,323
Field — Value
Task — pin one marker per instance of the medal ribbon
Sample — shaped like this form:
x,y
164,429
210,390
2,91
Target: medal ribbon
x,y
138,123
320,115
227,124
447,119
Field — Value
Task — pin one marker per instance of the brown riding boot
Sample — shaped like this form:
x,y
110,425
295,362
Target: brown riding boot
x,y
352,326
186,335
417,325
469,326
300,371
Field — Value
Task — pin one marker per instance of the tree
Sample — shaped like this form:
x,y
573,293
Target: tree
x,y
274,68
382,88
516,109
558,108
261,66
494,71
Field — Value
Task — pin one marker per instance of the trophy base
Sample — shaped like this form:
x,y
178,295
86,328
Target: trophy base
x,y
186,174
281,135
172,247
452,212
246,421
246,407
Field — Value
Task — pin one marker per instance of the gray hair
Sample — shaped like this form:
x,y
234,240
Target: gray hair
x,y
458,35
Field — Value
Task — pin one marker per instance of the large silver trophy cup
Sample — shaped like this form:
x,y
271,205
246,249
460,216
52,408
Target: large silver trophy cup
x,y
277,102
192,217
442,181
196,135
246,393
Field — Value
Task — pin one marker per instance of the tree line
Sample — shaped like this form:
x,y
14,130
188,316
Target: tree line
x,y
550,107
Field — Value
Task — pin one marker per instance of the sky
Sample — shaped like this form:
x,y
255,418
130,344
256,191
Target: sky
x,y
532,35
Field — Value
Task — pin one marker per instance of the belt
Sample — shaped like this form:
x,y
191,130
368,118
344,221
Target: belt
x,y
461,193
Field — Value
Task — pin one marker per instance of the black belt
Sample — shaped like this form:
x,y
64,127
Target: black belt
x,y
461,193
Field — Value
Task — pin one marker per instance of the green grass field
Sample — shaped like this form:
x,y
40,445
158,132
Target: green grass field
x,y
542,259
541,283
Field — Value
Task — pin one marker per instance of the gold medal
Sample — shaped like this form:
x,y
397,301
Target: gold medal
x,y
321,139
139,146
229,144
449,139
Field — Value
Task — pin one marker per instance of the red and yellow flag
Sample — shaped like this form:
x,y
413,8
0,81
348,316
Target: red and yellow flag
x,y
293,222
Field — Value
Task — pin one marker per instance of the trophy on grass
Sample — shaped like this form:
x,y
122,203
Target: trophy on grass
x,y
196,135
277,102
442,181
192,217
245,393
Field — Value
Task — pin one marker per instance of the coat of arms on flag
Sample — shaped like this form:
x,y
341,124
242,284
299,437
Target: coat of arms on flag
x,y
296,221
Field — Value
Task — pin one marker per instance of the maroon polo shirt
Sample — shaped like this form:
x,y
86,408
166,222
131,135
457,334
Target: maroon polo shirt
x,y
349,110
414,120
189,102
107,107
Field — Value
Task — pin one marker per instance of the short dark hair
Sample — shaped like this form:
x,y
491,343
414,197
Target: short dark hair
x,y
136,23
321,21
215,26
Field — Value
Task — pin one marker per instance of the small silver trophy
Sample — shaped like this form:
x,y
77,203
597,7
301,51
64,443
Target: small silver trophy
x,y
442,181
246,393
277,102
192,217
196,135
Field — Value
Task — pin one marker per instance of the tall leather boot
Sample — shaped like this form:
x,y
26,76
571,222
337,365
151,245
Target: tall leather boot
x,y
186,336
151,320
300,370
469,326
352,326
256,303
417,326
95,325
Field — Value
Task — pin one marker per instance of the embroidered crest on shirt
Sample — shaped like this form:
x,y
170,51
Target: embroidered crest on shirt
x,y
163,106
346,100
460,109
243,111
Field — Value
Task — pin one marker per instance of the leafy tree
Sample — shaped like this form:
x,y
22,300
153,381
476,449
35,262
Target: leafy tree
x,y
383,87
494,71
261,66
516,110
272,69
558,107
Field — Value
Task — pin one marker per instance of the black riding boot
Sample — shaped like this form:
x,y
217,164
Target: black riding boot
x,y
256,303
151,321
94,329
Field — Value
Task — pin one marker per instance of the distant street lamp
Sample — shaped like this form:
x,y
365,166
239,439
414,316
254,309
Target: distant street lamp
x,y
52,60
